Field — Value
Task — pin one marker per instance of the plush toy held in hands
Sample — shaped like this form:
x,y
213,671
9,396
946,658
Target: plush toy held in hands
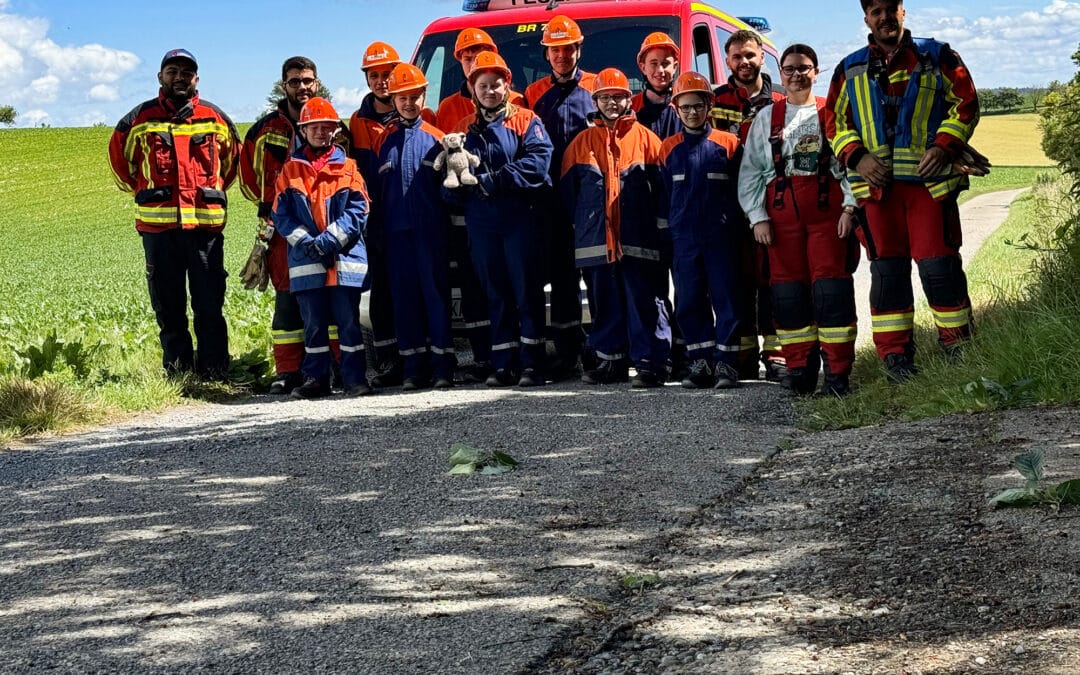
x,y
459,162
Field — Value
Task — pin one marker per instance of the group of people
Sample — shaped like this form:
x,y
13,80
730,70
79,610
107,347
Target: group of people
x,y
751,201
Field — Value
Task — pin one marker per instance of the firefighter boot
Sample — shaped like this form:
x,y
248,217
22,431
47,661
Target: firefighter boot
x,y
607,372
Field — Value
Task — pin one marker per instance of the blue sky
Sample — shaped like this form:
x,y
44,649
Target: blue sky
x,y
69,63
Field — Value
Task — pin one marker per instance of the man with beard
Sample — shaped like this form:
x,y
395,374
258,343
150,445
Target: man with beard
x,y
900,112
268,144
177,154
375,113
748,90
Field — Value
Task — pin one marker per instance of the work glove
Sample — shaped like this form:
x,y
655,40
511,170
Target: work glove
x,y
256,272
971,162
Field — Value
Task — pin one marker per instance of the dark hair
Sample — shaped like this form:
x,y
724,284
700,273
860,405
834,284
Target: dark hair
x,y
798,48
740,36
866,3
297,63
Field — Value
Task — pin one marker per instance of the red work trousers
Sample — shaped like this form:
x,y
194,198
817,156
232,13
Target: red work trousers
x,y
812,290
908,224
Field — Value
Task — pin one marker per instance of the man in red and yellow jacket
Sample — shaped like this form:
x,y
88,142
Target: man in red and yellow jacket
x,y
899,112
267,146
177,154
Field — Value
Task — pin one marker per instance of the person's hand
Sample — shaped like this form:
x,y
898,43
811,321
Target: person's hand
x,y
763,233
846,224
873,170
933,162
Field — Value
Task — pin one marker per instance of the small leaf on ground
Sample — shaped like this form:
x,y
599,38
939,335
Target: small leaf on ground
x,y
1030,465
1067,492
1015,497
465,458
636,582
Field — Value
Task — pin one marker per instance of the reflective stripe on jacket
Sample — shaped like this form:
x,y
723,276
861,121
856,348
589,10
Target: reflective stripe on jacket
x,y
267,146
611,182
178,161
929,100
329,206
700,175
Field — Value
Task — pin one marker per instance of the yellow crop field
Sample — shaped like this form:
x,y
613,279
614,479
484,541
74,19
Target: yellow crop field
x,y
1011,140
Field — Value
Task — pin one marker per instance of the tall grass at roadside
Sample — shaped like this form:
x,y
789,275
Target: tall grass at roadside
x,y
1027,347
73,266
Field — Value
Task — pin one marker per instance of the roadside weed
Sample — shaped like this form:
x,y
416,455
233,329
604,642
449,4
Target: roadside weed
x,y
1030,466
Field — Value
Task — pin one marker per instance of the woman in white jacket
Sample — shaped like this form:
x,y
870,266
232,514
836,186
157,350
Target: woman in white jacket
x,y
800,205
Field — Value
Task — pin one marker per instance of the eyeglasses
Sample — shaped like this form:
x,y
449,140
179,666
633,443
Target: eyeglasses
x,y
791,70
295,82
608,98
692,108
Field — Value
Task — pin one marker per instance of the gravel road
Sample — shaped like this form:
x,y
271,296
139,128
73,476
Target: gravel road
x,y
269,536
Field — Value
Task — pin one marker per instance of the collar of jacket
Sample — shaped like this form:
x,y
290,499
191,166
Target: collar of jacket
x,y
570,82
179,112
367,111
283,110
621,125
744,95
333,159
906,42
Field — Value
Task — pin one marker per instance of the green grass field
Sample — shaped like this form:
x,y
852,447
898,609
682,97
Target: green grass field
x,y
73,266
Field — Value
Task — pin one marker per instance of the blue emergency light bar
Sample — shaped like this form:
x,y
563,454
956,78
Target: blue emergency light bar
x,y
758,23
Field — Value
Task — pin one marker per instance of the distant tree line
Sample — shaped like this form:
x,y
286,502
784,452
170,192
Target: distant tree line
x,y
1013,100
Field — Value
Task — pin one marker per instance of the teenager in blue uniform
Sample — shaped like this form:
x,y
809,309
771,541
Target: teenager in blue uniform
x,y
502,215
415,227
700,165
321,211
611,181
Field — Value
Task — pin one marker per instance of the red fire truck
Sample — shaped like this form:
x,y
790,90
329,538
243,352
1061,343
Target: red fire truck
x,y
613,29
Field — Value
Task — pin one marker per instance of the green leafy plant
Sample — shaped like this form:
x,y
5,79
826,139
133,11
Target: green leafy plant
x,y
989,392
249,368
54,353
639,582
1030,466
467,459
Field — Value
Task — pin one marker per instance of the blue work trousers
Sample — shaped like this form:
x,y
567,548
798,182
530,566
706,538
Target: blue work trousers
x,y
507,263
321,307
629,316
705,285
420,286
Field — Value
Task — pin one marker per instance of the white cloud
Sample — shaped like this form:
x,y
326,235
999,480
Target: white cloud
x,y
36,71
33,118
1023,48
1027,48
44,89
348,99
103,92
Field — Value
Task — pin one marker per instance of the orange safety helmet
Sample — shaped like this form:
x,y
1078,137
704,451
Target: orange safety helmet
x,y
489,61
692,83
561,30
655,40
379,54
318,109
610,79
473,37
405,77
